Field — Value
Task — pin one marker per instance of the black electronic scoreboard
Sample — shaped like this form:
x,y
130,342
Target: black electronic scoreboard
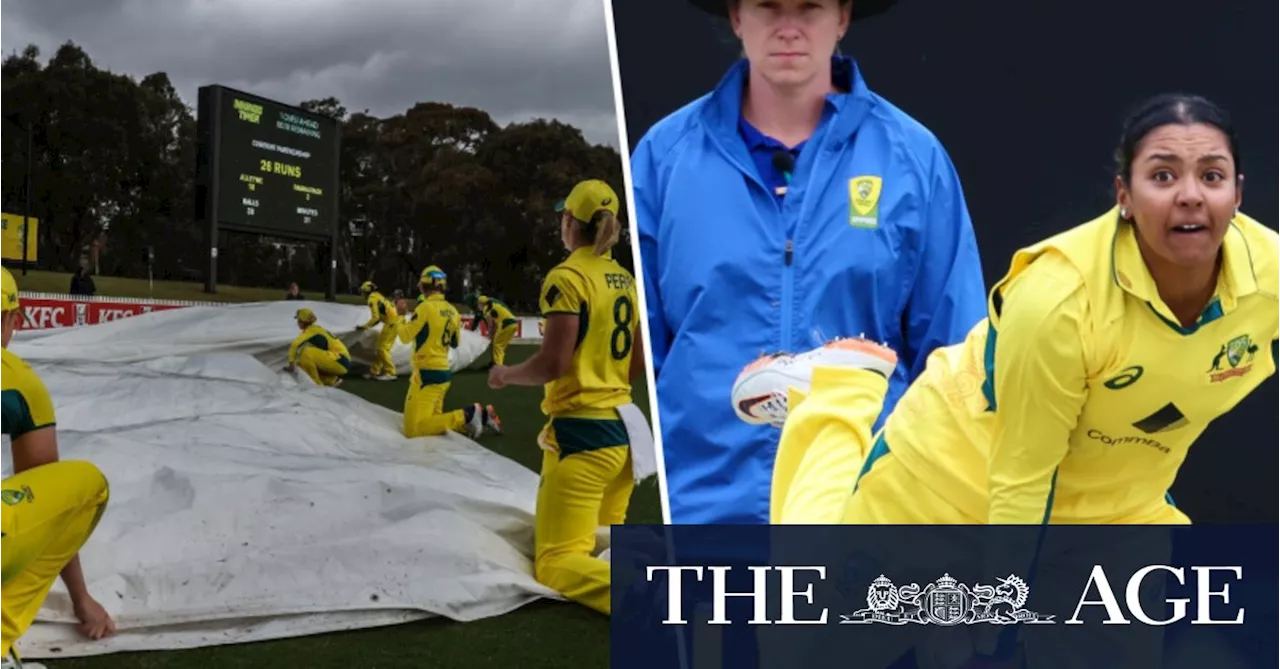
x,y
264,167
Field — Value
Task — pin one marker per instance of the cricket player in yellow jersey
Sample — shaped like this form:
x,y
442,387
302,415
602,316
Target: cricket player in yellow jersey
x,y
502,323
591,351
1108,349
50,507
319,354
381,310
433,331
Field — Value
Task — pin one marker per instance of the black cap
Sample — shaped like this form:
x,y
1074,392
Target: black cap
x,y
862,9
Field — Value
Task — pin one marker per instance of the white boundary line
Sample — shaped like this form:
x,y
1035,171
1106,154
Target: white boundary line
x,y
132,300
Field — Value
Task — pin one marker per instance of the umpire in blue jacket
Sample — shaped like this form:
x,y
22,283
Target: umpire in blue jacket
x,y
789,206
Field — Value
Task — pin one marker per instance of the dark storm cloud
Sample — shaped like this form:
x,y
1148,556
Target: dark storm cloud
x,y
516,59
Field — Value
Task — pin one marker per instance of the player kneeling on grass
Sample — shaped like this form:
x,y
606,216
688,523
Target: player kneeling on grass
x,y
433,330
1107,350
591,351
381,310
502,323
50,507
319,354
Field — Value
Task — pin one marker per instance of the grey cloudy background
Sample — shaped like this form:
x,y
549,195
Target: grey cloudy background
x,y
516,59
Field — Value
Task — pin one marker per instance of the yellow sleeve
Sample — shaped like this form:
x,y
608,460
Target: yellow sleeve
x,y
823,447
455,326
375,311
409,327
563,292
502,313
34,408
1039,388
293,348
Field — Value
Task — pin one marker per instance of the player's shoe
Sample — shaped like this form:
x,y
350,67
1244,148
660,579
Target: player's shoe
x,y
491,420
475,423
760,391
385,377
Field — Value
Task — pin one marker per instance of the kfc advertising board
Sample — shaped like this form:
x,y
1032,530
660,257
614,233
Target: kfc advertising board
x,y
526,328
47,311
63,312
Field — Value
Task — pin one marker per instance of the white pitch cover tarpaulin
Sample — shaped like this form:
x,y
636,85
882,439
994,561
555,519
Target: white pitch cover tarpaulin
x,y
261,329
251,504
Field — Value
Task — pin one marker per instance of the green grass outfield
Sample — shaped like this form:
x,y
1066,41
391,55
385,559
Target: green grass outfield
x,y
543,634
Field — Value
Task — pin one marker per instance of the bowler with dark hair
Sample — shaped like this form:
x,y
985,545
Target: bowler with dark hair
x,y
1106,352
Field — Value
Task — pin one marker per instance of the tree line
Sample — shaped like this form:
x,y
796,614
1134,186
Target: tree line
x,y
113,164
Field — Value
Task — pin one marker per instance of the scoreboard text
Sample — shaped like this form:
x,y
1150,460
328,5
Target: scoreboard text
x,y
275,165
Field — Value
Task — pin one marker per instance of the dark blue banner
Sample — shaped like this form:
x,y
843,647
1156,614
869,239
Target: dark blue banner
x,y
1093,597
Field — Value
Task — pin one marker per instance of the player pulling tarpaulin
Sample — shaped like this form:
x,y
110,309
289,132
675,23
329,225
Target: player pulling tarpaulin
x,y
590,354
50,507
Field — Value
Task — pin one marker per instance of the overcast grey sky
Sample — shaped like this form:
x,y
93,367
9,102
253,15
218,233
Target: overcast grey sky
x,y
516,59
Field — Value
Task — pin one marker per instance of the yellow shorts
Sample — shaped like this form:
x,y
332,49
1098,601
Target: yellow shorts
x,y
48,514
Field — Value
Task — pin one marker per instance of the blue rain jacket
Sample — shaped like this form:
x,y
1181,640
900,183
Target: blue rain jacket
x,y
873,236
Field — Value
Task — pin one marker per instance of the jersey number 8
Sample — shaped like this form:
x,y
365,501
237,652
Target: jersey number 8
x,y
620,340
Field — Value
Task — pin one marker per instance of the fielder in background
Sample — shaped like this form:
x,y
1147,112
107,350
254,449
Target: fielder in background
x,y
381,310
50,507
501,321
433,330
789,206
319,354
591,352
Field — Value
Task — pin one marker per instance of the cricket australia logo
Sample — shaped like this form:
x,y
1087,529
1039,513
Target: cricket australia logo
x,y
864,201
15,497
865,188
946,602
1235,352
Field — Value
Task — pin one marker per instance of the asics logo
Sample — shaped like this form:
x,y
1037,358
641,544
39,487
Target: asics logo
x,y
1127,377
745,406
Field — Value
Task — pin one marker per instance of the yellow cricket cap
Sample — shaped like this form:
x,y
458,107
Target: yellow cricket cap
x,y
432,274
9,294
8,291
587,198
305,316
